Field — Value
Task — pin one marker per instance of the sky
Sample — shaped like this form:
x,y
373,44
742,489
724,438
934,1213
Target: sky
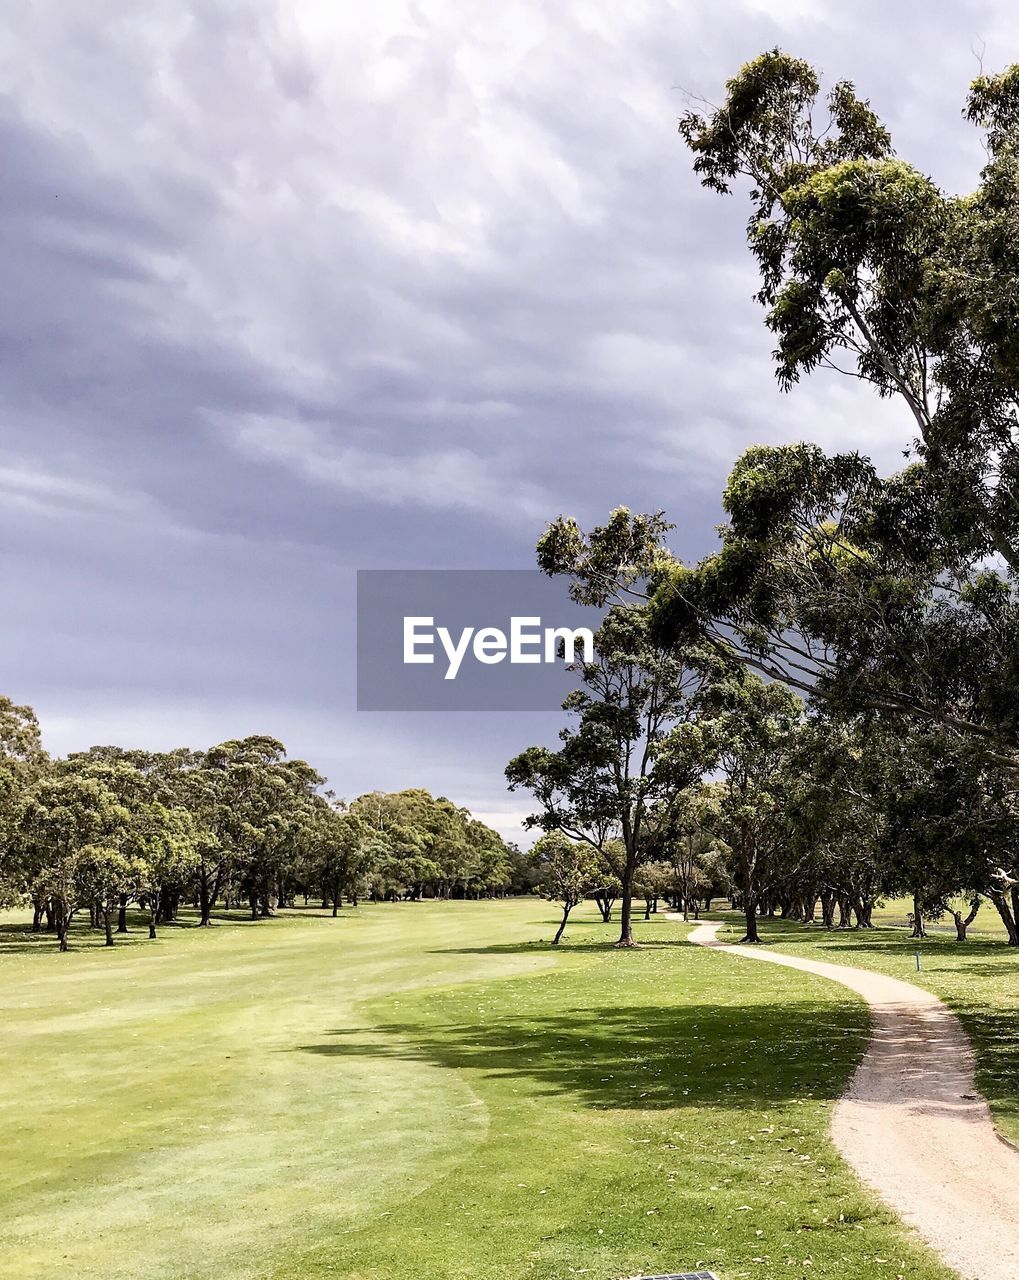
x,y
291,289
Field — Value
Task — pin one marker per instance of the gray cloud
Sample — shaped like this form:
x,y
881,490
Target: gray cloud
x,y
293,289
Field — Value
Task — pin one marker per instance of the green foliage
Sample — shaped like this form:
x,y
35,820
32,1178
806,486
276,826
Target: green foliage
x,y
896,595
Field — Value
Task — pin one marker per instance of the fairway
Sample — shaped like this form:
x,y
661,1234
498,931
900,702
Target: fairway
x,y
418,1090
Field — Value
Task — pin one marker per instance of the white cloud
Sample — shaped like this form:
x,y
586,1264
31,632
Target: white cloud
x,y
48,493
436,479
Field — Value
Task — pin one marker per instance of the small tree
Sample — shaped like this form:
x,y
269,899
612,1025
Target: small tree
x,y
567,869
75,831
623,756
754,730
167,855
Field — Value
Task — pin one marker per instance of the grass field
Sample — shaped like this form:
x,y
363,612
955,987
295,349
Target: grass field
x,y
420,1091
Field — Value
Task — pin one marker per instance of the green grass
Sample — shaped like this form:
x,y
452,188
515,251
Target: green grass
x,y
420,1092
978,978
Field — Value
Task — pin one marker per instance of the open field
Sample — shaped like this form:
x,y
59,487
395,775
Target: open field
x,y
419,1091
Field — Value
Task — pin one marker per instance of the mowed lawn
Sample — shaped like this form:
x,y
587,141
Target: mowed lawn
x,y
422,1092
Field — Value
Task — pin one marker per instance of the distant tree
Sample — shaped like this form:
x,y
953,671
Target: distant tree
x,y
653,881
77,833
22,762
606,891
429,846
565,869
682,837
753,730
167,856
626,754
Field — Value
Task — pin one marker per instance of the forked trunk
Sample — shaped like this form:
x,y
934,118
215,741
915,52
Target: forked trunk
x,y
962,923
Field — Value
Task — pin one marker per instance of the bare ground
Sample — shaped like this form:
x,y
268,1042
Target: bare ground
x,y
913,1125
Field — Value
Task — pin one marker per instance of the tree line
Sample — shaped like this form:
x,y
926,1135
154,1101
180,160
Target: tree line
x,y
239,825
839,681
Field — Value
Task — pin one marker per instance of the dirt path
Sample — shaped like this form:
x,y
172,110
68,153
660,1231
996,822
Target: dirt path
x,y
913,1126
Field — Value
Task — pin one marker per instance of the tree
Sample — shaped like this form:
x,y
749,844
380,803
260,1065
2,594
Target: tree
x,y
76,832
566,869
949,823
429,846
627,753
167,855
653,881
22,762
898,594
753,730
681,837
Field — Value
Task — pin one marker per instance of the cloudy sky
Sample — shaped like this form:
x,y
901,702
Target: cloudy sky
x,y
295,288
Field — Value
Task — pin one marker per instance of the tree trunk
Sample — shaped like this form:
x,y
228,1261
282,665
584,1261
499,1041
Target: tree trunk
x,y
108,926
562,925
918,930
1007,919
122,915
626,913
962,923
204,903
750,913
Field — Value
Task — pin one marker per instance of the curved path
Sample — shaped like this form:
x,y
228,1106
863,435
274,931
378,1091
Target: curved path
x,y
913,1126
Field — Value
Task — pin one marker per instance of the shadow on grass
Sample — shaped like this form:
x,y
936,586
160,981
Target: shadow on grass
x,y
644,1058
567,948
